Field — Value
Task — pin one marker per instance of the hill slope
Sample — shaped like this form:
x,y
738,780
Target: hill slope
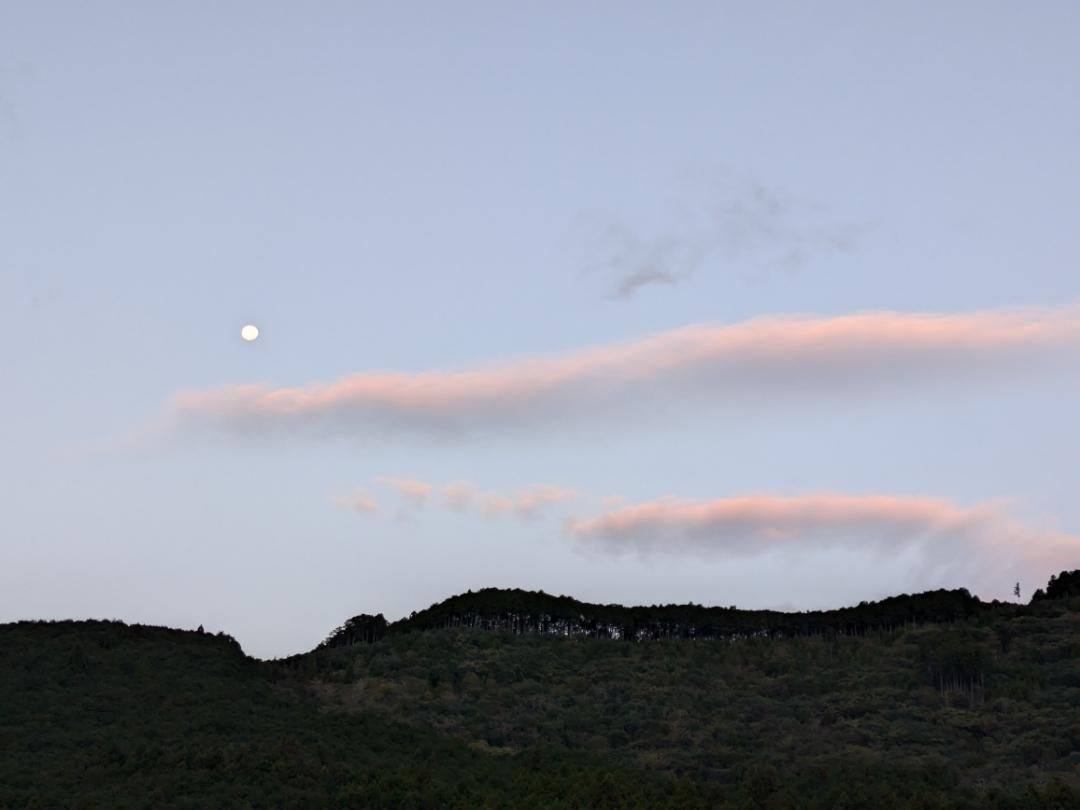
x,y
100,714
849,708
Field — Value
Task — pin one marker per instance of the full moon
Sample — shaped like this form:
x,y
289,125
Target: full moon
x,y
249,332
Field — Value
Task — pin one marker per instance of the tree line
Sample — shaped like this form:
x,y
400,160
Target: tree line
x,y
537,613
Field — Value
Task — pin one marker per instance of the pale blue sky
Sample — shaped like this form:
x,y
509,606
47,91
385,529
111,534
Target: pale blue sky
x,y
430,186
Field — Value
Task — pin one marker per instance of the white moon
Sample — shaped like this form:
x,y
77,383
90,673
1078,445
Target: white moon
x,y
249,332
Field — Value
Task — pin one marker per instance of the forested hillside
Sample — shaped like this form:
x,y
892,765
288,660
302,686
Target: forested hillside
x,y
104,715
516,699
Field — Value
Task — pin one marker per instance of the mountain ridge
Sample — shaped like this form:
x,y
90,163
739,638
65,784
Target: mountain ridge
x,y
526,611
978,711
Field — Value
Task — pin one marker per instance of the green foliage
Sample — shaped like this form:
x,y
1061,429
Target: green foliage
x,y
101,715
930,711
512,699
956,659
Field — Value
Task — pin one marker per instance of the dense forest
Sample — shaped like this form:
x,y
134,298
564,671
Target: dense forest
x,y
517,611
516,699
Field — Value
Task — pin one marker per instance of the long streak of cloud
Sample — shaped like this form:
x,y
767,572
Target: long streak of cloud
x,y
765,359
981,540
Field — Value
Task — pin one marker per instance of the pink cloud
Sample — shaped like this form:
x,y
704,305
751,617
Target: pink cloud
x,y
761,358
416,491
459,495
359,501
982,539
526,502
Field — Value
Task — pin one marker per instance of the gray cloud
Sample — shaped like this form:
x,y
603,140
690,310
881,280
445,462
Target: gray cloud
x,y
738,224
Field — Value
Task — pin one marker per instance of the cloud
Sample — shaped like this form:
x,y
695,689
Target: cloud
x,y
776,359
737,222
359,501
636,261
526,502
981,540
458,495
462,496
415,491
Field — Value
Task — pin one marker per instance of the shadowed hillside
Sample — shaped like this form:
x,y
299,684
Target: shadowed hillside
x,y
105,715
517,699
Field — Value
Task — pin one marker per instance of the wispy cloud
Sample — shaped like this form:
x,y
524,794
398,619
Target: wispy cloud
x,y
636,261
738,223
769,359
982,539
526,502
416,491
359,501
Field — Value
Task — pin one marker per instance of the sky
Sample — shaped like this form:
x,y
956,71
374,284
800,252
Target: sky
x,y
768,304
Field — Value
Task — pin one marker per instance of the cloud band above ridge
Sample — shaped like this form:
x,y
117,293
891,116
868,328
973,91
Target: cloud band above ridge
x,y
758,358
980,539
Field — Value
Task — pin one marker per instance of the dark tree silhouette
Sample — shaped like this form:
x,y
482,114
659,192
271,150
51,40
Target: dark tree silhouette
x,y
536,613
362,629
1062,586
